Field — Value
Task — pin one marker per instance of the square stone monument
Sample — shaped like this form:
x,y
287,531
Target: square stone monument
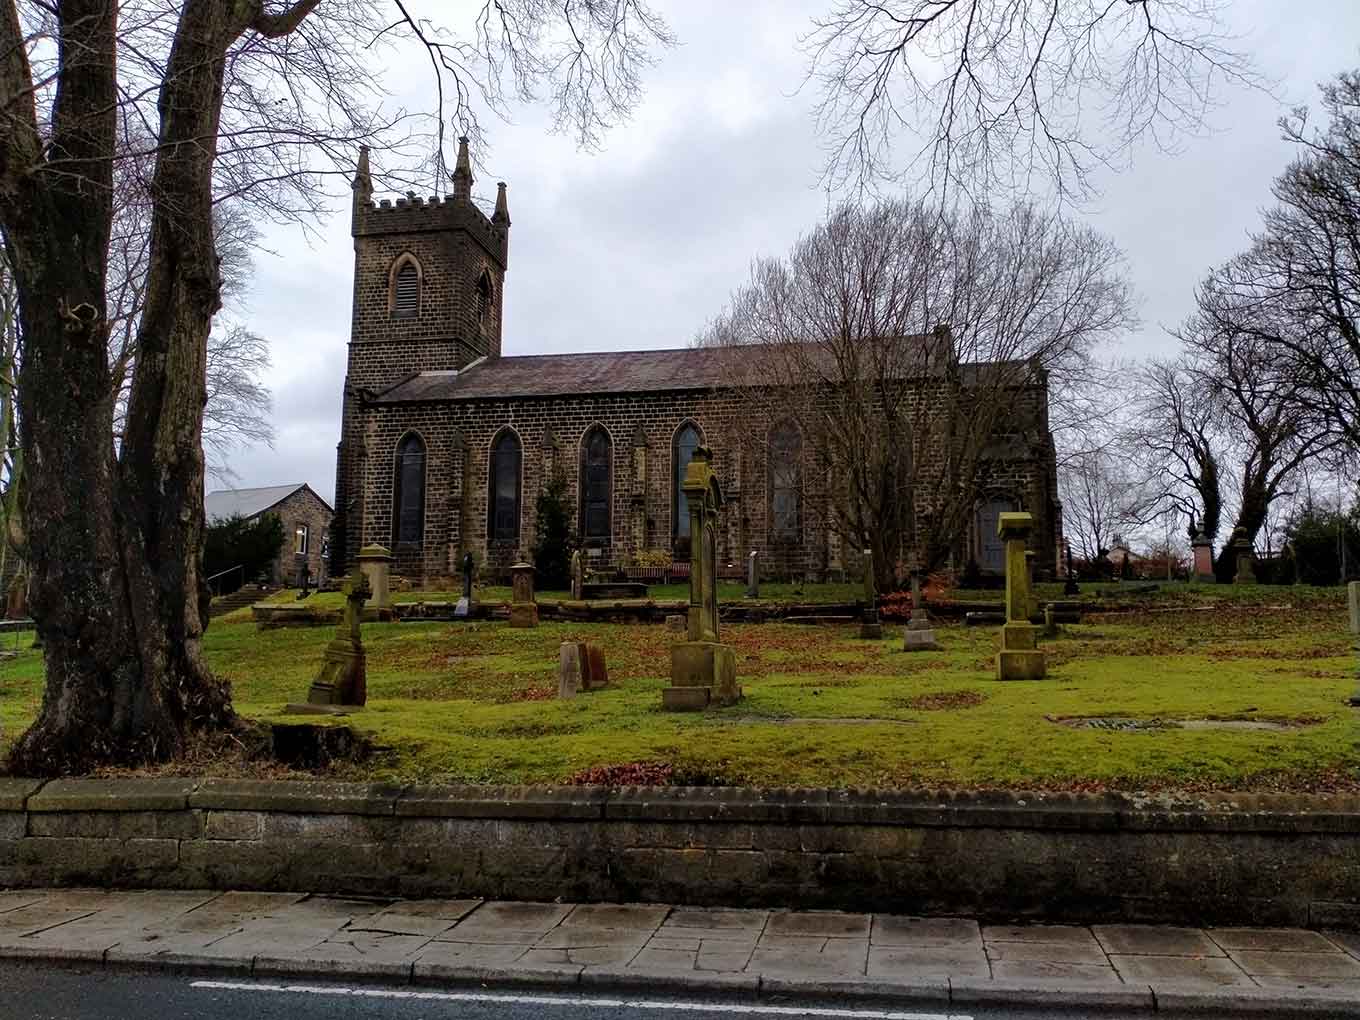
x,y
1204,558
703,670
1242,549
919,635
341,686
1019,658
523,607
376,563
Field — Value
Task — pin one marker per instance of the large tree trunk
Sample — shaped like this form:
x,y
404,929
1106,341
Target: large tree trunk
x,y
116,544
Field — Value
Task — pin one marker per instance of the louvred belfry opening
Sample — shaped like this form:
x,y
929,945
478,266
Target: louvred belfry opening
x,y
406,301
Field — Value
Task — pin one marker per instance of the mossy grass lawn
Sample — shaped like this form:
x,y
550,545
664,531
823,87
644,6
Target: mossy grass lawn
x,y
476,702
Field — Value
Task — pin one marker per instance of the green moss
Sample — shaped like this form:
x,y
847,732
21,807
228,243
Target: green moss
x,y
476,702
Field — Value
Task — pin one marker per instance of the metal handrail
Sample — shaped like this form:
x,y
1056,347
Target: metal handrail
x,y
223,573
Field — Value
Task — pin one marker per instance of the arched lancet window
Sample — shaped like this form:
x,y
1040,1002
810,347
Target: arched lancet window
x,y
484,295
786,450
503,486
408,488
406,289
597,460
991,549
683,447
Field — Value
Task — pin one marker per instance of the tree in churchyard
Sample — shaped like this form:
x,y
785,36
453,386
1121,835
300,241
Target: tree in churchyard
x,y
903,344
554,537
1175,437
1022,94
1272,428
252,545
1102,498
246,98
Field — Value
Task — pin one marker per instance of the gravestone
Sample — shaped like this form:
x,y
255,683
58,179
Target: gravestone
x,y
596,672
1204,558
376,563
675,622
1354,589
1071,587
919,636
869,627
463,609
1242,549
304,574
580,667
578,576
753,575
703,670
341,685
1019,657
523,607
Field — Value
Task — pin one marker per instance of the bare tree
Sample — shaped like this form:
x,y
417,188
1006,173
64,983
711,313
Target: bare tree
x,y
910,345
1012,93
1101,499
261,100
1175,436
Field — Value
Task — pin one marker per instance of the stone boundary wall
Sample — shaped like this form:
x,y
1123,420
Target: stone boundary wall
x,y
1226,859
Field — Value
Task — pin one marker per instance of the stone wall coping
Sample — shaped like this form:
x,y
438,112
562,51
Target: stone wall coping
x,y
14,793
1280,813
131,794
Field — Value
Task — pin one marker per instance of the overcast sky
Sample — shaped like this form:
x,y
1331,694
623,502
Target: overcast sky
x,y
638,245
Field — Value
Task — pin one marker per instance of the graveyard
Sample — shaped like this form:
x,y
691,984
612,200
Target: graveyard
x,y
1196,688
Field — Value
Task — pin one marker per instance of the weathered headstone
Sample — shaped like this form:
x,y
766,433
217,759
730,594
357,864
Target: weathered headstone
x,y
869,627
919,636
569,669
463,609
376,563
523,607
1050,624
1019,657
703,670
753,575
578,576
1354,589
341,685
1242,549
1203,549
1071,587
676,622
596,672
303,571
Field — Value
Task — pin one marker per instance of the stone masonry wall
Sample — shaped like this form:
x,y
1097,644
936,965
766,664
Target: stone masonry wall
x,y
302,507
1286,860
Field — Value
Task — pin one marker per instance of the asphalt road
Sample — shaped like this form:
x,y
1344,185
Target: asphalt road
x,y
43,992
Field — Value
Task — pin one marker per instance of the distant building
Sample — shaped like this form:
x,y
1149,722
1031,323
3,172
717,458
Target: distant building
x,y
306,521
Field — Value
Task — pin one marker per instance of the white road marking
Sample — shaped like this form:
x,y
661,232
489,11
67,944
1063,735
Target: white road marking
x,y
575,1000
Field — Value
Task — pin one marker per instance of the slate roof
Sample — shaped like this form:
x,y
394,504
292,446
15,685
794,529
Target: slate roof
x,y
552,375
226,503
559,375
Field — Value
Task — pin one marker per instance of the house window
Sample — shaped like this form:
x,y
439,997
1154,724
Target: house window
x,y
991,549
300,540
408,513
786,450
503,483
484,298
406,291
597,455
686,442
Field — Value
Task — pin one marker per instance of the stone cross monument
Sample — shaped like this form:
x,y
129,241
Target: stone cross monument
x,y
342,683
919,635
1019,658
703,671
869,626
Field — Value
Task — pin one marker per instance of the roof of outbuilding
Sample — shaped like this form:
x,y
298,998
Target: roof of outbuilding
x,y
224,504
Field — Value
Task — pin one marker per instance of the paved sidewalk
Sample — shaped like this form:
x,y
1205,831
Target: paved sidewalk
x,y
764,952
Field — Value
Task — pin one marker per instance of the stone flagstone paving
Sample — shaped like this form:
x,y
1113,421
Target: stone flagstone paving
x,y
278,932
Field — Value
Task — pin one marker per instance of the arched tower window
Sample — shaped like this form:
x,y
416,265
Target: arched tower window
x,y
503,484
686,441
405,288
597,459
408,489
786,451
484,296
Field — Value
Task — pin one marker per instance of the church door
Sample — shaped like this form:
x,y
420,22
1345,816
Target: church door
x,y
991,549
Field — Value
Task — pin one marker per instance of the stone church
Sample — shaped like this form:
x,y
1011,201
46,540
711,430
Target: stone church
x,y
445,444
